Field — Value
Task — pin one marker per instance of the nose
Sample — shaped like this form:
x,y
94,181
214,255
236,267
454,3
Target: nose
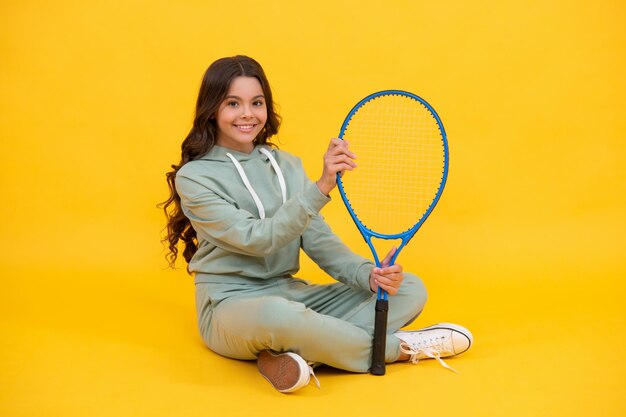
x,y
247,112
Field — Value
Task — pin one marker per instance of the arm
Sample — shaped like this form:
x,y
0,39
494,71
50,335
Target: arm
x,y
334,257
327,250
218,220
223,224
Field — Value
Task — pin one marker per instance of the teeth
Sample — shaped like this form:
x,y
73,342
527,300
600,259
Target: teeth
x,y
245,126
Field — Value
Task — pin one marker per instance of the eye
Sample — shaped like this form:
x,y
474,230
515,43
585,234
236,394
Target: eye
x,y
258,103
232,103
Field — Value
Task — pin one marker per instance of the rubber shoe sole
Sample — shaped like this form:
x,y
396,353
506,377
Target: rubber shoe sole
x,y
287,372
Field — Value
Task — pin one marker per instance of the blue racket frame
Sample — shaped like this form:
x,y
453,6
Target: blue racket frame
x,y
407,235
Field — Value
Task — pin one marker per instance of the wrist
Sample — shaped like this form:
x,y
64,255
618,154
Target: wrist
x,y
324,188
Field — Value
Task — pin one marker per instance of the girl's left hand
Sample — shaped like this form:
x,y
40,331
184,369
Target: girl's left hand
x,y
389,278
337,158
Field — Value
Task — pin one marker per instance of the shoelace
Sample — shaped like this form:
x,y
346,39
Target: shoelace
x,y
433,351
311,373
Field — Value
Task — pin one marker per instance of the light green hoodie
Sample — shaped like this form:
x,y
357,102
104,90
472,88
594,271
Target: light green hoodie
x,y
236,245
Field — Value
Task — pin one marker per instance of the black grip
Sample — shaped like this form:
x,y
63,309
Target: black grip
x,y
380,338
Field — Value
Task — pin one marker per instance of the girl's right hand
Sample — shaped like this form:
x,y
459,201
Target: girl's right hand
x,y
337,158
387,277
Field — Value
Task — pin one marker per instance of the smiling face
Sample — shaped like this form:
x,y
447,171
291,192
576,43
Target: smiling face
x,y
242,115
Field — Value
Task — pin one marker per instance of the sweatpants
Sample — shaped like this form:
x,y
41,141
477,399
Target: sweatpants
x,y
330,324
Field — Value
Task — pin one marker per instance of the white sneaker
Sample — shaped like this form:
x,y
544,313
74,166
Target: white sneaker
x,y
287,372
438,341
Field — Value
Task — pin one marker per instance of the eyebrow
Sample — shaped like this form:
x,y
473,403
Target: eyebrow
x,y
239,98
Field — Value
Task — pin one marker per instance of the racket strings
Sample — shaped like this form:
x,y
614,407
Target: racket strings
x,y
400,157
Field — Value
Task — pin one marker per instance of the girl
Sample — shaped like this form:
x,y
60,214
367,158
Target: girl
x,y
243,210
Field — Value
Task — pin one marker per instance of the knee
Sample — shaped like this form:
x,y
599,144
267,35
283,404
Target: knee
x,y
414,291
278,315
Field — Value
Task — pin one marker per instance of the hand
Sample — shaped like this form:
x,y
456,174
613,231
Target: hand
x,y
389,278
337,158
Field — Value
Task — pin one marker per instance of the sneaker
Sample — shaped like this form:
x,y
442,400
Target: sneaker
x,y
438,341
287,372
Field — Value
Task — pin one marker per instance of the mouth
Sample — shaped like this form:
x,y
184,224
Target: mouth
x,y
246,128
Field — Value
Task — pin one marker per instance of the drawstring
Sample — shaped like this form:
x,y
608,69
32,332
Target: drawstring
x,y
244,178
246,182
279,173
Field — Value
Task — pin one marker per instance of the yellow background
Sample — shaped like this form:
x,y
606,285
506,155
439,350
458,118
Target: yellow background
x,y
526,247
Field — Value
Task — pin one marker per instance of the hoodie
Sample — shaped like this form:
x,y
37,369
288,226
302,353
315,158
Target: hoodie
x,y
253,213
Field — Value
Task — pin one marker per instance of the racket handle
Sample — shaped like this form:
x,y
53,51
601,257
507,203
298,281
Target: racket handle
x,y
380,338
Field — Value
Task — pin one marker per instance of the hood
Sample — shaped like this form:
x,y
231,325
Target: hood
x,y
264,153
219,153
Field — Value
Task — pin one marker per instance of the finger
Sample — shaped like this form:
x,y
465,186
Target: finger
x,y
390,289
341,159
340,149
333,166
392,279
333,170
391,270
387,259
334,142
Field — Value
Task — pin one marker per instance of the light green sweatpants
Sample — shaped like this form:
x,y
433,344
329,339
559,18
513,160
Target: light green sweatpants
x,y
330,324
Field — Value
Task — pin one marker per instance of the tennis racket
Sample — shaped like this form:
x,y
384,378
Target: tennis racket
x,y
402,153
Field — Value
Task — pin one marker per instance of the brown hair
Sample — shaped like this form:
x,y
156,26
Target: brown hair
x,y
202,138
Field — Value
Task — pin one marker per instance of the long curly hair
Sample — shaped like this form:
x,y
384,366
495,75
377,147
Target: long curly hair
x,y
202,137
